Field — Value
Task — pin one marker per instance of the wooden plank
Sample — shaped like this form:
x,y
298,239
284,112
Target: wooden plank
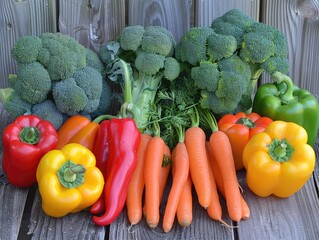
x,y
73,226
92,22
173,15
295,217
207,10
298,20
18,18
202,226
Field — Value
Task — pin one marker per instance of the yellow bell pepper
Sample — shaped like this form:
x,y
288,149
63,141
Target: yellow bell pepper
x,y
278,161
68,180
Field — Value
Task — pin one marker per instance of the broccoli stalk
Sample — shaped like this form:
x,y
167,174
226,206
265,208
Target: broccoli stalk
x,y
140,61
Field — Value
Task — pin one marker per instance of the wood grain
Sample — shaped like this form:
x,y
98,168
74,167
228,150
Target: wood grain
x,y
301,27
92,22
19,18
173,15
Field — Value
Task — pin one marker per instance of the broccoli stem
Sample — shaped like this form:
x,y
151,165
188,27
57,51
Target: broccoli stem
x,y
279,77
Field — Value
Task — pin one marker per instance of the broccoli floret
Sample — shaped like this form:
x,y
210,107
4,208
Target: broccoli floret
x,y
32,83
220,46
218,105
26,49
130,37
172,68
90,80
143,59
105,100
93,60
69,97
192,46
13,104
235,64
233,23
206,76
276,64
47,110
62,55
153,61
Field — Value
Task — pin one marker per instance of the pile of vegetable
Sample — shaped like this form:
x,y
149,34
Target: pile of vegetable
x,y
190,111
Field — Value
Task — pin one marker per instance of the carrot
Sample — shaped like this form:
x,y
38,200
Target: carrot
x,y
195,139
214,210
134,197
220,184
165,170
180,163
152,168
221,148
185,205
164,173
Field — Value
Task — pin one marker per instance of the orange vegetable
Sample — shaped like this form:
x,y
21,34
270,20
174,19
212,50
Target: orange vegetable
x,y
180,163
185,205
152,168
195,139
69,128
134,197
221,148
240,127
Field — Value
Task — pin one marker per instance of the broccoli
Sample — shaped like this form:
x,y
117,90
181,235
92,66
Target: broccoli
x,y
105,100
13,104
60,54
140,59
26,49
69,97
226,59
220,75
93,60
32,82
80,94
90,80
47,110
262,46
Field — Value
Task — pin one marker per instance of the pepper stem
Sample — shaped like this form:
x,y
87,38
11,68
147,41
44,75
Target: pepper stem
x,y
247,122
30,135
287,96
71,175
280,150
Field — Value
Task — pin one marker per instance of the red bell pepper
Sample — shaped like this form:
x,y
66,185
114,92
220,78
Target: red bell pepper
x,y
25,141
240,127
123,139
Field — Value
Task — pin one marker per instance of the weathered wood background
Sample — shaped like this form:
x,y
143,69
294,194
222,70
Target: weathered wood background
x,y
93,22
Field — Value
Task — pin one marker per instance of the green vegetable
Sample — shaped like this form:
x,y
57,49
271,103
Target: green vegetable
x,y
47,110
13,103
80,94
32,82
59,53
105,100
146,59
282,100
226,59
262,46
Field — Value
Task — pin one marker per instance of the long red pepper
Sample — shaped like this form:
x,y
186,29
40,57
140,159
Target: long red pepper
x,y
100,151
123,142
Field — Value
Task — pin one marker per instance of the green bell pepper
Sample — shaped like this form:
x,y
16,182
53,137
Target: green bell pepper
x,y
282,100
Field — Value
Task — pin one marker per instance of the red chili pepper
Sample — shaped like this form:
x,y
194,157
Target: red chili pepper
x,y
25,141
100,151
123,141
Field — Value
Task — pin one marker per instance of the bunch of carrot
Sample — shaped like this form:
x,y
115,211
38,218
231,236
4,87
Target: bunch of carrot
x,y
208,165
